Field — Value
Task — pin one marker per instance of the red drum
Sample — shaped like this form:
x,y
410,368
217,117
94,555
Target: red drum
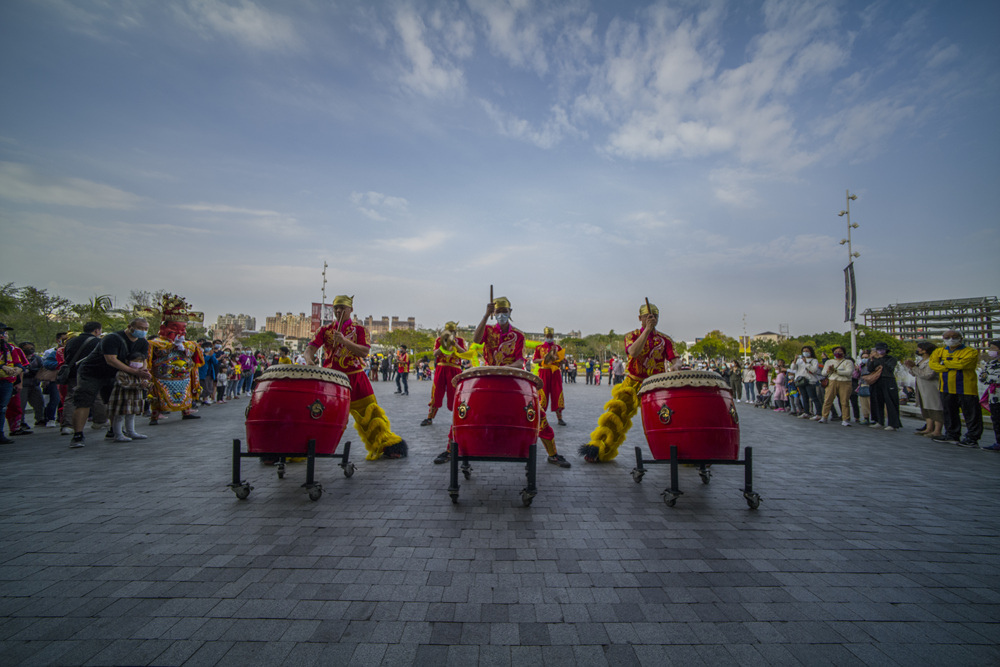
x,y
292,405
692,410
496,412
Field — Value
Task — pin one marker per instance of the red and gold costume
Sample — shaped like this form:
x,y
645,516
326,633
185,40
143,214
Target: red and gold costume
x,y
613,425
370,419
447,365
174,365
550,373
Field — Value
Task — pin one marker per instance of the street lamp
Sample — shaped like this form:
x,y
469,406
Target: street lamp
x,y
851,255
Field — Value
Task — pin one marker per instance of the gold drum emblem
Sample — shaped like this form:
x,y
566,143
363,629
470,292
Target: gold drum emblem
x,y
529,413
462,410
665,414
316,409
734,414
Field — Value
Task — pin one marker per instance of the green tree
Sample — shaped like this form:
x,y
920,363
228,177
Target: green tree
x,y
265,341
36,315
415,341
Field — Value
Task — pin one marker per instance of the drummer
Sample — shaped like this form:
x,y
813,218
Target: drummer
x,y
550,357
503,345
447,364
345,346
648,353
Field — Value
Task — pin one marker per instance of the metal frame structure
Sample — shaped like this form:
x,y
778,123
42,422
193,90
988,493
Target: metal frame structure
x,y
978,319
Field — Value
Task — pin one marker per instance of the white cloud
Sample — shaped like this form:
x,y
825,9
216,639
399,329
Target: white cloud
x,y
243,21
551,133
514,31
427,73
379,207
222,208
429,239
21,183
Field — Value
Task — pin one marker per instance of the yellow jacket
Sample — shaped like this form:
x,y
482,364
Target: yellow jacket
x,y
957,369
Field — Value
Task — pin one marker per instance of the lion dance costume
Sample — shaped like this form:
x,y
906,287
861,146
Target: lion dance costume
x,y
614,424
174,361
370,419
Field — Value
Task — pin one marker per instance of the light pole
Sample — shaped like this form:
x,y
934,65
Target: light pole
x,y
851,255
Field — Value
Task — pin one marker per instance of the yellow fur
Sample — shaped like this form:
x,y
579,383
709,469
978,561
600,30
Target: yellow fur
x,y
373,426
613,425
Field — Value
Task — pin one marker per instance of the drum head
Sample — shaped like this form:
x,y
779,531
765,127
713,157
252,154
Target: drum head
x,y
298,372
497,371
683,379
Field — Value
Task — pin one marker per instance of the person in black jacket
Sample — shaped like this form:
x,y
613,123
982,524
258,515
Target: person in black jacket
x,y
76,351
884,390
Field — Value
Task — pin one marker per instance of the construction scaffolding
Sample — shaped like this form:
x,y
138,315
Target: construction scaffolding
x,y
978,319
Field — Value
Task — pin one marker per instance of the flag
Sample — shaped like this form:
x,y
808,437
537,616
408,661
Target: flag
x,y
744,344
850,295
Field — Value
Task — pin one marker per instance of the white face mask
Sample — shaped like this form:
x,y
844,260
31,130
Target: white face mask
x,y
806,355
136,364
992,353
950,342
503,318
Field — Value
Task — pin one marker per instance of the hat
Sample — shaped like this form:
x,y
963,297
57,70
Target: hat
x,y
645,310
4,327
549,330
176,309
451,326
501,302
344,300
881,346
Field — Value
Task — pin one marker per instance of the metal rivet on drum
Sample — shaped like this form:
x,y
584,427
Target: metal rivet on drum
x,y
665,414
316,409
734,414
462,410
530,413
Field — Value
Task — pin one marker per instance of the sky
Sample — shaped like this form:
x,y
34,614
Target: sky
x,y
578,156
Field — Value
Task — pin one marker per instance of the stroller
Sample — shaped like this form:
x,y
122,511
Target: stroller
x,y
763,399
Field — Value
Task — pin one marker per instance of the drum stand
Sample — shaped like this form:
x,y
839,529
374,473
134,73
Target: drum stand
x,y
671,495
527,494
242,488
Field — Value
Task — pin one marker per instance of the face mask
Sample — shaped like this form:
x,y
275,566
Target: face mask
x,y
806,355
993,354
217,347
838,355
503,318
136,364
950,342
139,333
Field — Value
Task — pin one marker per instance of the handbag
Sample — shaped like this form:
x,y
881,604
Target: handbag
x,y
824,382
863,390
45,375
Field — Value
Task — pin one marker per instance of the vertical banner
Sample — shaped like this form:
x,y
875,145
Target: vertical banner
x,y
744,344
850,296
322,314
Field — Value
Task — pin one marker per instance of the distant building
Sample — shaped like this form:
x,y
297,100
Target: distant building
x,y
410,323
770,336
977,318
296,326
376,327
243,322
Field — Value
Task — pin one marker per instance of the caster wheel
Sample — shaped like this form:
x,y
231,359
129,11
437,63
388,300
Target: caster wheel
x,y
281,474
706,477
670,501
349,469
467,473
454,498
637,475
243,492
753,500
315,493
526,498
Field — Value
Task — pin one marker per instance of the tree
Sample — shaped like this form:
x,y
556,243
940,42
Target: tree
x,y
36,315
415,341
266,341
715,344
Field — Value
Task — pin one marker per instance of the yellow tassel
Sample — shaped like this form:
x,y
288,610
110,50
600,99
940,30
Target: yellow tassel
x,y
373,426
613,425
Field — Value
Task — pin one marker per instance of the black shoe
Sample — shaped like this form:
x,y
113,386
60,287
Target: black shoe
x,y
945,439
4,440
426,422
77,441
560,461
23,430
443,457
110,435
965,442
153,421
561,422
397,392
190,416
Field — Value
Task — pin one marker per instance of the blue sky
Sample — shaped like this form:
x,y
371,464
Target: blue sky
x,y
579,156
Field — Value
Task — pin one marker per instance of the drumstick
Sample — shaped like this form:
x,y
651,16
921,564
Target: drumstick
x,y
491,294
648,309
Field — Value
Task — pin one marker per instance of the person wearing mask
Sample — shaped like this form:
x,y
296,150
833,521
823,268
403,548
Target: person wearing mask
x,y
208,372
736,381
12,366
550,356
248,364
50,367
96,373
31,386
881,380
127,400
956,365
402,371
447,364
928,394
839,372
749,384
760,374
807,374
991,377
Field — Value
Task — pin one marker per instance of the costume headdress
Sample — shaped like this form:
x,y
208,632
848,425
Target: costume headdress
x,y
451,326
501,302
344,300
549,331
645,310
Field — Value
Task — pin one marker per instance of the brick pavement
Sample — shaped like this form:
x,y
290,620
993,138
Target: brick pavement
x,y
869,548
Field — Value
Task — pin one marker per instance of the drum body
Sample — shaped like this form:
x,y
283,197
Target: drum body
x,y
496,412
692,410
292,405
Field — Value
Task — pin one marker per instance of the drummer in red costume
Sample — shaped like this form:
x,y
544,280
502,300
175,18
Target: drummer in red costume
x,y
447,364
549,356
345,345
503,345
648,353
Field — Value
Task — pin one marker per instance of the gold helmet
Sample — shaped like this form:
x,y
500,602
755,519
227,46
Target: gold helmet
x,y
343,300
501,302
645,310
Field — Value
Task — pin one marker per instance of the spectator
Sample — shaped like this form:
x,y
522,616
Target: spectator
x,y
207,372
31,388
928,394
127,399
48,374
749,387
248,363
76,350
590,371
956,367
96,373
991,377
235,371
881,380
12,366
807,374
839,372
736,381
780,394
222,379
619,371
760,374
402,371
863,390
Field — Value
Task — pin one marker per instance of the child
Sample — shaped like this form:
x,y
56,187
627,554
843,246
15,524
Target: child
x,y
222,379
780,390
126,401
